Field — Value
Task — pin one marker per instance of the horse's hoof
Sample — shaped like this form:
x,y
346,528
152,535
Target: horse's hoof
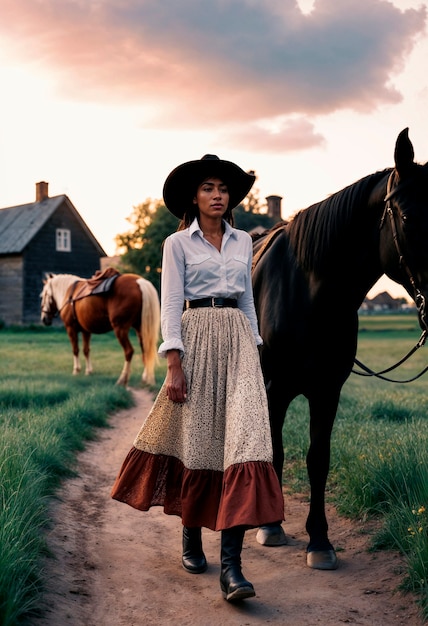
x,y
271,536
121,382
322,559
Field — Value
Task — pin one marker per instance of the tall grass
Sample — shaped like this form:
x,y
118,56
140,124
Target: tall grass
x,y
46,415
380,469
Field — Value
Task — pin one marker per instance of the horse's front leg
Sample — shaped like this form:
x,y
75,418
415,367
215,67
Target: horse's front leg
x,y
273,535
74,340
320,552
123,339
87,351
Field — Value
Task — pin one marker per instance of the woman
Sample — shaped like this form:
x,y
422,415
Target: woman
x,y
204,452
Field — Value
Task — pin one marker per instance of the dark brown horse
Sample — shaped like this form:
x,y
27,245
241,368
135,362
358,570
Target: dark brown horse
x,y
132,302
333,252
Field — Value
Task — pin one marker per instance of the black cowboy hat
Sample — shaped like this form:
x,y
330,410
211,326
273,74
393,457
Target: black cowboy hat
x,y
181,184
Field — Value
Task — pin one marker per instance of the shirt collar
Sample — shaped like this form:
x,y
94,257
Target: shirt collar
x,y
195,228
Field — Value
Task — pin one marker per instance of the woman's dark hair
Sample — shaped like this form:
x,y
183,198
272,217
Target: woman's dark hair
x,y
193,211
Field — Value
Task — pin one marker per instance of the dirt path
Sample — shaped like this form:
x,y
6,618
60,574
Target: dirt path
x,y
115,566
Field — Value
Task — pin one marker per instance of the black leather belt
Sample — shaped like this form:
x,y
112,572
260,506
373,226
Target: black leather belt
x,y
213,302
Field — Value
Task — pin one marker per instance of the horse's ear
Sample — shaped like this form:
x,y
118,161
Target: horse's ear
x,y
404,153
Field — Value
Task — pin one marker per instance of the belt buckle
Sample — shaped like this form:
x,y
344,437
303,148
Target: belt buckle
x,y
214,305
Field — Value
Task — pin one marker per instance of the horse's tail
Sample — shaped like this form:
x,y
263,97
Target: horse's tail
x,y
150,328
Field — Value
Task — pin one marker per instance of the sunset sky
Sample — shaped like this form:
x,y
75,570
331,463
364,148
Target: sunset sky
x,y
102,98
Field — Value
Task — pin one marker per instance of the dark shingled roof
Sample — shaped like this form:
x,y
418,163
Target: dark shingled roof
x,y
19,224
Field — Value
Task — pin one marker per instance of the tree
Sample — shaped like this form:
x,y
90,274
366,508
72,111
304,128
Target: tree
x,y
247,220
142,245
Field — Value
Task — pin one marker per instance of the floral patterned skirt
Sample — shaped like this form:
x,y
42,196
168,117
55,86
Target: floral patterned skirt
x,y
208,460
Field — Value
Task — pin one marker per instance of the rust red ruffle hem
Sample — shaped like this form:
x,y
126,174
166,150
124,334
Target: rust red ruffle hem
x,y
246,494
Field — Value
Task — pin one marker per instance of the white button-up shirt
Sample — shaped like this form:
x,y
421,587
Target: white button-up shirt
x,y
193,268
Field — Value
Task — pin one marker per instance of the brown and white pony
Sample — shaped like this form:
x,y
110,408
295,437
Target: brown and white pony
x,y
131,302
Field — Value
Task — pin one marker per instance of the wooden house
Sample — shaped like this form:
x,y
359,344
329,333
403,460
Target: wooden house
x,y
47,235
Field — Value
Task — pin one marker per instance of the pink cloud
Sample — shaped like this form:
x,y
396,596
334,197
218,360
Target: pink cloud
x,y
290,136
196,62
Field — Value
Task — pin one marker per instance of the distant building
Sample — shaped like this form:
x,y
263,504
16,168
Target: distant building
x,y
384,302
274,207
47,235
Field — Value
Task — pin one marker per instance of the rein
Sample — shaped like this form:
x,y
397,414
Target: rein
x,y
368,372
419,298
70,300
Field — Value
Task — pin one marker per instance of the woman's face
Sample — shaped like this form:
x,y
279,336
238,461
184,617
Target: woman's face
x,y
212,197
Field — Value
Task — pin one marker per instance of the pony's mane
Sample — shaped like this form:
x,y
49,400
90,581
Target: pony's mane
x,y
65,280
316,232
59,285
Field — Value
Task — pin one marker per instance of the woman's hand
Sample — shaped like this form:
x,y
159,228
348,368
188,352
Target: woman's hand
x,y
176,388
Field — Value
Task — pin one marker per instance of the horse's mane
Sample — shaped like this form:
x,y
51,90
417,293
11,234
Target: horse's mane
x,y
315,233
60,283
64,280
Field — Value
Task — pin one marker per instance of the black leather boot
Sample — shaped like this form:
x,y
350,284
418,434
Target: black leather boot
x,y
193,559
232,582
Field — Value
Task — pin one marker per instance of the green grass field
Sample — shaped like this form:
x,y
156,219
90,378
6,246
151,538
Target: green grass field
x,y
379,445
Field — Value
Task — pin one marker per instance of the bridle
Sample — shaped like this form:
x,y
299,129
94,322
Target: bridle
x,y
68,301
51,300
47,311
418,296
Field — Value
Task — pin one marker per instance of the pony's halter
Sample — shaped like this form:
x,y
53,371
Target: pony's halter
x,y
418,297
47,307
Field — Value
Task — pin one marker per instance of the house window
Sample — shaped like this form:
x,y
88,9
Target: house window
x,y
63,240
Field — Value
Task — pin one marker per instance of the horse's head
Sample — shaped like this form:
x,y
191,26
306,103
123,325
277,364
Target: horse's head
x,y
49,306
404,232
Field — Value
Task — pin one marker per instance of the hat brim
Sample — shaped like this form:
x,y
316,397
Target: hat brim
x,y
181,184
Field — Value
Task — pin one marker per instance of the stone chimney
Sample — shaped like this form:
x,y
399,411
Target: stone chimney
x,y
274,207
42,191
